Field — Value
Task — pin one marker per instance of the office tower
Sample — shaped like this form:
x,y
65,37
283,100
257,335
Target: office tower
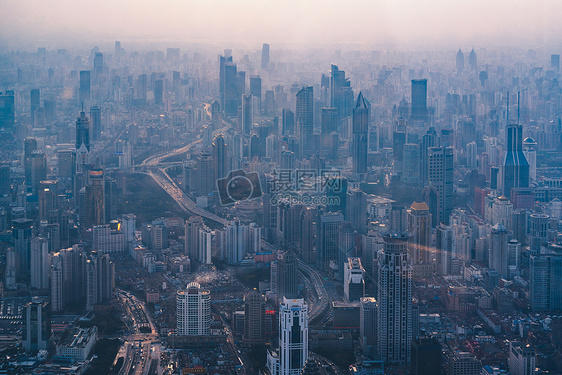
x,y
328,247
368,324
395,301
555,62
444,248
544,283
56,283
7,111
84,92
426,356
255,87
288,276
110,199
95,117
440,177
346,247
129,223
223,60
142,88
265,56
336,191
66,163
231,89
269,105
100,278
247,115
419,247
193,311
5,179
411,164
521,359
254,318
515,165
94,209
473,60
530,152
82,145
158,91
21,232
498,254
460,61
353,280
471,155
98,63
205,245
293,339
11,267
538,232
397,218
241,240
36,328
307,219
206,174
356,209
329,121
48,197
288,122
35,104
464,363
305,119
341,94
419,100
39,263
220,157
398,142
428,140
37,164
360,134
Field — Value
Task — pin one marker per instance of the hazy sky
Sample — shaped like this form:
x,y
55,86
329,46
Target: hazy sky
x,y
406,23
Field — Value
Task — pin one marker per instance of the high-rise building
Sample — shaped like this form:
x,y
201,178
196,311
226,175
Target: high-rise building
x,y
255,87
94,208
411,164
21,232
460,61
305,119
95,117
288,276
100,278
440,178
473,60
232,93
192,226
84,92
35,104
360,134
419,100
98,63
341,94
444,248
521,359
7,111
220,157
48,198
193,311
544,282
356,209
368,324
293,339
395,301
206,174
36,328
419,247
530,151
498,254
288,122
353,280
40,263
538,232
129,223
5,179
515,165
37,164
205,245
240,240
328,239
247,114
464,363
254,318
555,62
265,56
426,356
158,91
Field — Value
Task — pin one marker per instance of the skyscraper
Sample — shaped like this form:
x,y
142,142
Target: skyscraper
x,y
99,272
353,280
498,254
395,301
293,339
193,311
98,63
360,134
220,157
544,282
328,241
515,165
538,232
254,318
368,324
247,114
95,116
36,328
265,56
95,198
521,359
7,111
21,232
440,177
426,356
158,91
472,60
84,92
305,119
35,104
419,227
288,279
39,263
288,122
419,100
341,94
82,132
460,61
444,242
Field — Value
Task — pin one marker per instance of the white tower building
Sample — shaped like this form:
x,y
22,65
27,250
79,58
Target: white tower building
x,y
193,311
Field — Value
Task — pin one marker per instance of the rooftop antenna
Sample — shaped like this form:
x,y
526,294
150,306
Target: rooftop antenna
x,y
518,107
